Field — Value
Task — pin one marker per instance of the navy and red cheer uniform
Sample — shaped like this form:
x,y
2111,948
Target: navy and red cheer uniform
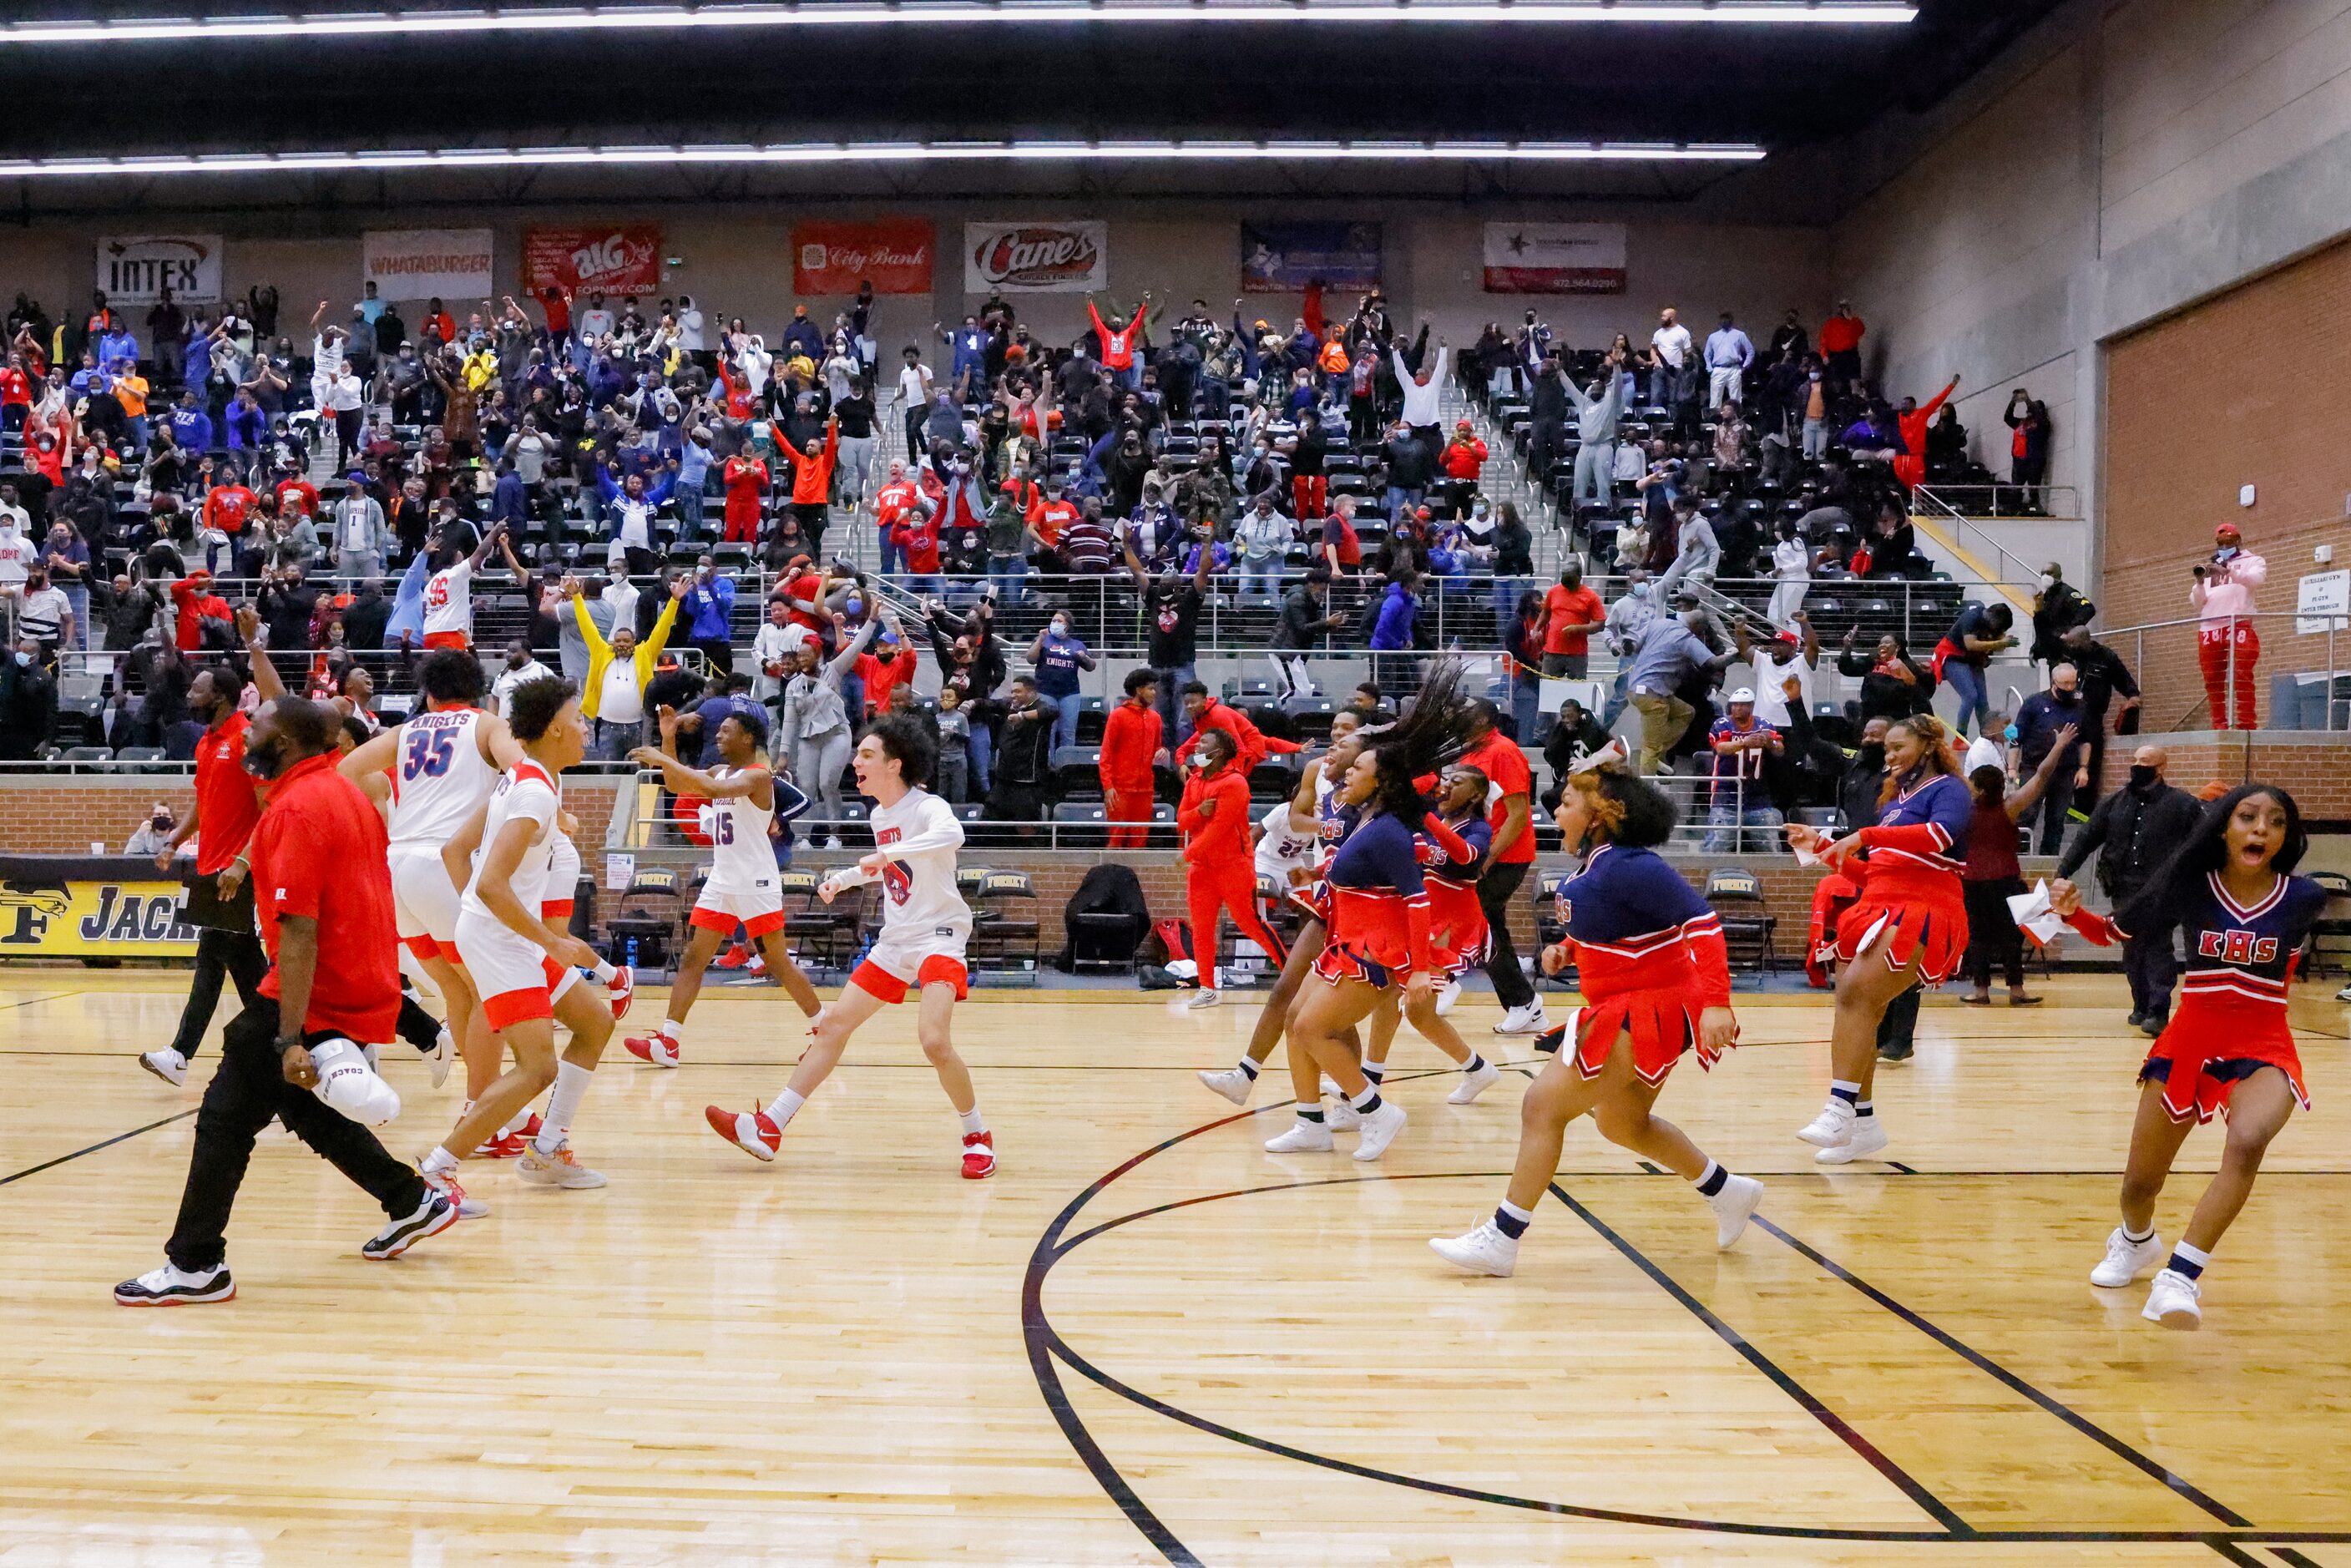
x,y
1379,920
2231,1020
1911,883
1451,858
1651,957
1337,820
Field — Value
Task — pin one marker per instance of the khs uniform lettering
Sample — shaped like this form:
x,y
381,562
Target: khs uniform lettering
x,y
2236,945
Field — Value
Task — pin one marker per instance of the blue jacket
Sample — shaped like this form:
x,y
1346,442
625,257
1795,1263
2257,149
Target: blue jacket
x,y
1398,610
506,502
408,601
196,361
249,428
708,605
192,429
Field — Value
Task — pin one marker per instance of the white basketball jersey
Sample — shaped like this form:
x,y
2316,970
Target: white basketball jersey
x,y
449,600
527,792
438,776
1282,847
920,835
741,858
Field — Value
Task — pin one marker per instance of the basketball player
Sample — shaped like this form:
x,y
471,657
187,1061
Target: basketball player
x,y
449,591
745,795
517,961
925,925
2227,1048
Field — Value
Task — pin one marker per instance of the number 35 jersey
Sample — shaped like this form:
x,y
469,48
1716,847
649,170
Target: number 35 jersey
x,y
438,778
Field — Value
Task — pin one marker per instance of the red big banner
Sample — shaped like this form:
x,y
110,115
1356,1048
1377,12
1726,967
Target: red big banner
x,y
624,259
835,257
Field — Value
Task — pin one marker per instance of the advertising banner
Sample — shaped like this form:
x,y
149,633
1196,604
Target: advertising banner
x,y
135,269
426,264
71,907
625,258
1283,258
1554,259
1056,257
835,257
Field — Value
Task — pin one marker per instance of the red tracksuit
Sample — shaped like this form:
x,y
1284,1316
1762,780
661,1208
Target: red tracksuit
x,y
1130,741
1222,873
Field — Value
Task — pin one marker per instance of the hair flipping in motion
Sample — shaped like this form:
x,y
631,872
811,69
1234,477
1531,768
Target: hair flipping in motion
x,y
1432,732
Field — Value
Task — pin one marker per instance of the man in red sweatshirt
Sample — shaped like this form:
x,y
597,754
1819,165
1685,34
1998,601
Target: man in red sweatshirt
x,y
1207,713
1912,421
1130,745
1219,857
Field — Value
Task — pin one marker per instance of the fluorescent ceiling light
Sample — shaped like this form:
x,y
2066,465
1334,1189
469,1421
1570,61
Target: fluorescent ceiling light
x,y
825,153
867,14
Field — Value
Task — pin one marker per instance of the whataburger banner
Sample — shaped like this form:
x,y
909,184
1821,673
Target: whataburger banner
x,y
1051,258
427,264
1554,259
623,258
72,907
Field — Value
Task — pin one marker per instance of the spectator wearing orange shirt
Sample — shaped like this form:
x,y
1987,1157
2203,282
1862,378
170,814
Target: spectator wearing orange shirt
x,y
1841,337
1130,747
811,480
1571,613
889,665
1465,456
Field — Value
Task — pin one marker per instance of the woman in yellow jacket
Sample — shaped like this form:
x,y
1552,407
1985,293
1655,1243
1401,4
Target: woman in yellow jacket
x,y
614,698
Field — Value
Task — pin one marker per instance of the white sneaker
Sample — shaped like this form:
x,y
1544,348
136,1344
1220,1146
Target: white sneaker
x,y
2173,1302
1205,997
172,1287
1448,998
2126,1260
1865,1137
437,1060
560,1169
1733,1206
1829,1128
1380,1130
1303,1138
833,842
1232,1083
2344,995
1474,1082
1341,1116
166,1064
1485,1250
1527,1019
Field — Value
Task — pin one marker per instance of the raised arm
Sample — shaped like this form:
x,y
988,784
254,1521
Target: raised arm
x,y
2020,799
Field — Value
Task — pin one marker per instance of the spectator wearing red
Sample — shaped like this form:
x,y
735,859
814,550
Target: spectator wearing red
x,y
1841,337
1464,456
1118,342
192,604
226,506
1910,467
888,664
1219,857
1251,743
1131,747
897,499
812,478
1571,613
744,478
296,494
1511,789
2227,647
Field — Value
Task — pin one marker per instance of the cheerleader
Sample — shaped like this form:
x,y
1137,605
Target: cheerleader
x,y
1910,919
1378,951
2227,1048
1221,869
1454,843
1658,980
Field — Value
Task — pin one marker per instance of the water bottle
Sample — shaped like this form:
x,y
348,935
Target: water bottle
x,y
630,948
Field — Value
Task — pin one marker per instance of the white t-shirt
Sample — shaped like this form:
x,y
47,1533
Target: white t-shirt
x,y
920,835
1770,702
503,690
530,792
912,380
1672,343
343,392
326,357
623,698
449,600
779,645
689,330
1282,848
1792,561
42,615
17,554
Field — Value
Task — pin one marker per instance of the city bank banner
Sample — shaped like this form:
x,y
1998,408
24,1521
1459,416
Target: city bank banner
x,y
1283,258
61,908
1055,257
893,253
135,269
448,265
623,258
1554,259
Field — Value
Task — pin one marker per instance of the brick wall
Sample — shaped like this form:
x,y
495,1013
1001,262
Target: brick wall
x,y
2245,388
2316,772
65,814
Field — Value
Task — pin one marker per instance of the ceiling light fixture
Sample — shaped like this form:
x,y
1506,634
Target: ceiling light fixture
x,y
825,153
867,14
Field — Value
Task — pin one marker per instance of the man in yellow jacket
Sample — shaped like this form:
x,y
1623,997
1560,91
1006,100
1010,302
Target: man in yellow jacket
x,y
612,699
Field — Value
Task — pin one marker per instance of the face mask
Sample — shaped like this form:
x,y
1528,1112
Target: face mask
x,y
1873,753
2047,581
853,606
24,660
2065,697
1060,627
2141,778
1640,591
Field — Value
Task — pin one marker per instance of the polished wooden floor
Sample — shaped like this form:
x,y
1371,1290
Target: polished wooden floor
x,y
1145,1340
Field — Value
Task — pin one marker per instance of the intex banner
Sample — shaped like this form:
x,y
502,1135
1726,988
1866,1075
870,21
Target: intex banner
x,y
1283,258
427,264
1036,259
1554,259
625,259
135,269
835,257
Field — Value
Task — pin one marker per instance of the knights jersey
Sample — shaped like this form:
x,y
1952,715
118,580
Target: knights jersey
x,y
449,600
920,835
1943,806
527,793
438,776
741,858
2234,953
1637,925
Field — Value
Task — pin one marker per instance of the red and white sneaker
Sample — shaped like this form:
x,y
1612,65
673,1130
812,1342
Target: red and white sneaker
x,y
621,992
978,1156
529,1128
505,1146
446,1185
750,1131
657,1049
735,957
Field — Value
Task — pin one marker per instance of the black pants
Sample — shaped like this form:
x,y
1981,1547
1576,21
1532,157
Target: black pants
x,y
2151,967
232,955
417,1026
1992,936
813,515
1901,1019
249,1088
1496,889
719,652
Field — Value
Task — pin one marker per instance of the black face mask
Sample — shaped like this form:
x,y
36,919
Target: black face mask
x,y
2142,778
1873,753
2067,698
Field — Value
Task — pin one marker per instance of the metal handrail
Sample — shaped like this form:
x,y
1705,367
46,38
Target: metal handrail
x,y
2330,628
1954,497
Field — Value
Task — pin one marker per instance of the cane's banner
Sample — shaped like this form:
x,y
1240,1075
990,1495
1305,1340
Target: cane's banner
x,y
1053,257
1554,259
135,269
625,258
894,253
427,264
1283,258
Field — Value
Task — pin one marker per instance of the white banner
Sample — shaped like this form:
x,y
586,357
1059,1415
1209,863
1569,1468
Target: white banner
x,y
449,265
135,269
1554,259
1055,257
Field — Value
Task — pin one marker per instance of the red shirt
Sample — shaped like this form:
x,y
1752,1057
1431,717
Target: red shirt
x,y
558,311
808,585
1505,767
893,502
918,535
747,480
1052,520
1221,843
1463,459
1564,607
15,386
228,800
1840,334
299,493
884,672
225,507
1130,740
319,853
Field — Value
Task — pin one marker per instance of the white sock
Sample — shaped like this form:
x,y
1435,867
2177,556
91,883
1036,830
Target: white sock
x,y
784,1106
563,1106
437,1162
674,1029
605,973
2196,1255
972,1121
